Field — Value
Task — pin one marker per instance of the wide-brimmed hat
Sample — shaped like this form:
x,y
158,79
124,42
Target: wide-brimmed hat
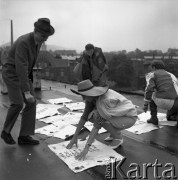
x,y
86,88
43,26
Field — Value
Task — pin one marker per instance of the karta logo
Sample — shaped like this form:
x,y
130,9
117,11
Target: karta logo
x,y
137,171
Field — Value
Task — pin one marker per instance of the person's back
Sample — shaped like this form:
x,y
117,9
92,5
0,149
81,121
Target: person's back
x,y
162,88
17,47
166,86
161,82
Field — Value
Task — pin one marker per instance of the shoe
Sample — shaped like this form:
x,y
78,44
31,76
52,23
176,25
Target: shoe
x,y
172,118
27,140
7,138
109,138
116,143
153,120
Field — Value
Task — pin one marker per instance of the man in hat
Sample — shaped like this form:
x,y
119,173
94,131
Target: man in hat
x,y
17,74
162,88
108,109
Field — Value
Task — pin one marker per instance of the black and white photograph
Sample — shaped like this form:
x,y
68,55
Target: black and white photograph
x,y
88,89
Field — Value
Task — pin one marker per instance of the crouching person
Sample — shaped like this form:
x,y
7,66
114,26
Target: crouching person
x,y
105,108
162,89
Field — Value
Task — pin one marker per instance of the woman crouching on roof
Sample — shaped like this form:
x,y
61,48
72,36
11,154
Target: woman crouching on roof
x,y
104,108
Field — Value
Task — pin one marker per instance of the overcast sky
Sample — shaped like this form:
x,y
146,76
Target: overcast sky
x,y
110,24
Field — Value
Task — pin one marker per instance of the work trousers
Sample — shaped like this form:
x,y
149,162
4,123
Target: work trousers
x,y
17,101
153,108
174,110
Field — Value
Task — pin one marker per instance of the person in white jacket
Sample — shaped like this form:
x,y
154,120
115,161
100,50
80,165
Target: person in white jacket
x,y
105,108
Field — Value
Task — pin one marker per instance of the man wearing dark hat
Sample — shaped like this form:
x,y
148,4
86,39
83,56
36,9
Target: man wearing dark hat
x,y
17,74
162,88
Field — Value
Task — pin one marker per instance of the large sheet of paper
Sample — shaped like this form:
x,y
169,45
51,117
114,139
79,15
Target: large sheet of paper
x,y
47,130
99,154
60,130
161,116
46,110
89,126
71,117
65,132
75,106
51,119
59,100
142,127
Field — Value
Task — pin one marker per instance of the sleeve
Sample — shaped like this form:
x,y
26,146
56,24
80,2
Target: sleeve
x,y
102,65
150,87
21,62
86,70
89,106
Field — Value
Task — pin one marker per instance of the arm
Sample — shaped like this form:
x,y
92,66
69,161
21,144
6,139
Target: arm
x,y
83,119
21,63
98,121
90,140
150,87
74,139
79,127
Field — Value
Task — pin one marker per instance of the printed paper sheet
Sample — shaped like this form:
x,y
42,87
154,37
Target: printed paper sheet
x,y
71,117
75,106
46,110
51,119
99,154
60,130
161,116
59,100
47,130
142,127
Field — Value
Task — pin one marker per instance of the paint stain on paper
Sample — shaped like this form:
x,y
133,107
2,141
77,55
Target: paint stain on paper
x,y
78,168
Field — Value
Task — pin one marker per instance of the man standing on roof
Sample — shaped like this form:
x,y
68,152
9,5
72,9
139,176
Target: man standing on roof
x,y
17,74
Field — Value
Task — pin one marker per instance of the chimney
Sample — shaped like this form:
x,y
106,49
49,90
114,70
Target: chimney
x,y
11,32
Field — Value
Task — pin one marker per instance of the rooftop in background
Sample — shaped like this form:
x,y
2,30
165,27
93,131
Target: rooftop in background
x,y
70,58
160,57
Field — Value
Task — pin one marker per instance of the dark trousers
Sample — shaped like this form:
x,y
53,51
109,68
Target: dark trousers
x,y
17,101
174,110
153,108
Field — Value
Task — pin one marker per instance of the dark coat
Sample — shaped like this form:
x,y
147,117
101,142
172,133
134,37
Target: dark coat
x,y
17,71
95,68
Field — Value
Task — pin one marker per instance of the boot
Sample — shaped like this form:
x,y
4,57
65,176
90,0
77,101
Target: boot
x,y
153,120
153,109
171,118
